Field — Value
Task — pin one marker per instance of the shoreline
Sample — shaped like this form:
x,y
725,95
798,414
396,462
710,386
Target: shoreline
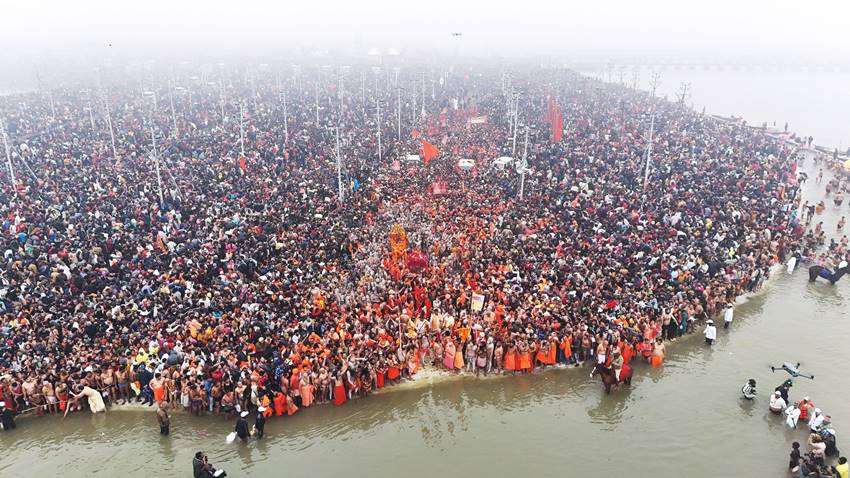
x,y
429,376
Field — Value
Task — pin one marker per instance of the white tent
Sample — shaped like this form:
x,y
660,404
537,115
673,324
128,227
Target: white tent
x,y
502,161
466,164
413,158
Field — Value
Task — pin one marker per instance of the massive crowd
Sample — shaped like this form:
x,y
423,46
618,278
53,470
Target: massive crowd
x,y
250,284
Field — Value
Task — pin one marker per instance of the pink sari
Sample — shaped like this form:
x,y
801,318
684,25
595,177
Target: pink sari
x,y
449,356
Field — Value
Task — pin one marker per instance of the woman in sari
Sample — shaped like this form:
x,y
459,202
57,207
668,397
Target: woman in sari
x,y
306,390
449,355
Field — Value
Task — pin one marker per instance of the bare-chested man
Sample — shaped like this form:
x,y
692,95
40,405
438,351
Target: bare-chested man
x,y
50,395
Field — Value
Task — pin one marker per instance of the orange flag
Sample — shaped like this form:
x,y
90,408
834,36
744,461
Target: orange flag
x,y
429,151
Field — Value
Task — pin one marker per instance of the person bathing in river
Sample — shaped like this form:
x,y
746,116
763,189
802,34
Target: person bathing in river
x,y
163,419
777,403
241,427
749,389
658,353
95,400
710,332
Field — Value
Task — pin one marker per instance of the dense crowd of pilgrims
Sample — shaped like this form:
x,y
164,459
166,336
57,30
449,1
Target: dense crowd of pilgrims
x,y
249,283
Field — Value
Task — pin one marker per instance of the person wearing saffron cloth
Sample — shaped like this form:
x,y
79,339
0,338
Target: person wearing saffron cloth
x,y
246,282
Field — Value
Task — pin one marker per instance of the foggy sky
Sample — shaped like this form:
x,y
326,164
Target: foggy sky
x,y
35,31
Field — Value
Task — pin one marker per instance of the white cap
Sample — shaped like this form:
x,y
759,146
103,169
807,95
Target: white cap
x,y
777,393
261,409
805,399
817,410
2,404
243,414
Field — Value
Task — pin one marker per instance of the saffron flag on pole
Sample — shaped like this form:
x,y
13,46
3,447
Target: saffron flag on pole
x,y
429,151
557,125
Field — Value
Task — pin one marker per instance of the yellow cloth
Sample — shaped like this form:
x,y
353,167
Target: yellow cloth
x,y
843,470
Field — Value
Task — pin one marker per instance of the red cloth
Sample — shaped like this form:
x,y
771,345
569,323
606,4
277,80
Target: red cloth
x,y
429,151
339,395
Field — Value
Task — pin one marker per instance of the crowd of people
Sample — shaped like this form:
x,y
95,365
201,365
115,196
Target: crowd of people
x,y
202,277
821,442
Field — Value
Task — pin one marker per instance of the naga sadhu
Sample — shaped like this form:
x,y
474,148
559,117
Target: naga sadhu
x,y
398,241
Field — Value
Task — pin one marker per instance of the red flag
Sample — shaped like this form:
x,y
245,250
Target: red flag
x,y
414,133
557,124
243,163
429,151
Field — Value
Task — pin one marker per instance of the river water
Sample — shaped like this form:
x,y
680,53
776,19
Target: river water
x,y
812,102
683,419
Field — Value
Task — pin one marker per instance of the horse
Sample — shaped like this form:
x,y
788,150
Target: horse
x,y
608,379
821,271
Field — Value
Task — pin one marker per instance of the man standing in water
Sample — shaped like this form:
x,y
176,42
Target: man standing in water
x,y
7,417
260,421
163,419
728,314
242,427
710,332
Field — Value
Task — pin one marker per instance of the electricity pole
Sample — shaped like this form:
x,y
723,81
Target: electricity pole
x,y
111,131
378,109
683,92
341,189
156,164
9,159
524,165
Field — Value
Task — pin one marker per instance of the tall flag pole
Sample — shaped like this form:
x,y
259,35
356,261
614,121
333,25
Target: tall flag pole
x,y
648,154
516,125
9,159
378,112
242,129
111,131
341,190
399,110
156,164
524,165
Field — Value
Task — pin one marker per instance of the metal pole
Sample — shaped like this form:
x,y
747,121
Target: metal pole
x,y
341,94
91,116
399,114
156,164
524,165
423,94
221,96
52,106
378,108
316,89
285,121
341,189
9,159
516,125
648,153
241,128
111,131
173,115
254,92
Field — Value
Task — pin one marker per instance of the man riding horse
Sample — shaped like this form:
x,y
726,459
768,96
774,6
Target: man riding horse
x,y
613,371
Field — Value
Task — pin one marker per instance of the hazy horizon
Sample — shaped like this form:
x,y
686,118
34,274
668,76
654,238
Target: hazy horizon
x,y
39,33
